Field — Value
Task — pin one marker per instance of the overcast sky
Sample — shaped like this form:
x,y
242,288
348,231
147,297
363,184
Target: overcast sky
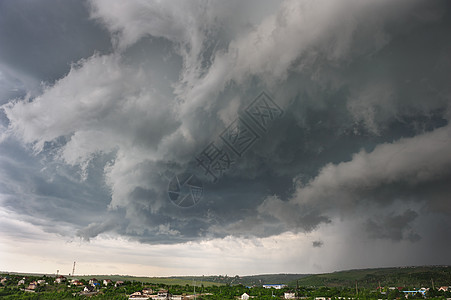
x,y
314,135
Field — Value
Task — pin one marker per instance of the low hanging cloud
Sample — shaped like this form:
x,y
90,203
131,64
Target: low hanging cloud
x,y
317,244
393,227
344,187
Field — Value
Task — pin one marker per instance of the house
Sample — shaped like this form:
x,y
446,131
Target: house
x,y
41,281
77,283
274,286
89,289
138,296
245,296
163,294
22,281
60,279
118,283
32,286
93,281
147,291
443,289
107,282
289,295
423,291
3,280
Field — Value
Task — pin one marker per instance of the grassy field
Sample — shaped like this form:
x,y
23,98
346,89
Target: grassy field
x,y
207,280
154,280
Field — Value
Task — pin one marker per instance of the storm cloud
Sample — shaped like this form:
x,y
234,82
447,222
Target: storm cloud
x,y
103,102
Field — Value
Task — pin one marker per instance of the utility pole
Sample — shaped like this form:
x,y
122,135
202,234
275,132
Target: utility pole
x,y
356,289
297,288
73,270
194,284
432,280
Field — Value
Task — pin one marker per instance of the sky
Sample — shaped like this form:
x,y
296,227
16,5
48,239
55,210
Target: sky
x,y
162,138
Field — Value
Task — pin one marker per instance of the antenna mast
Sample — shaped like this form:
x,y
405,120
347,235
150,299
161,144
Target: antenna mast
x,y
73,270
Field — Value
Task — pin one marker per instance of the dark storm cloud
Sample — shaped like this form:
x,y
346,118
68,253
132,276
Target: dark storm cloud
x,y
365,130
317,244
48,194
393,227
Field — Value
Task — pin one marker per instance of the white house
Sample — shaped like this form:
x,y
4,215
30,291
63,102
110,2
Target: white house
x,y
163,294
274,286
138,296
60,279
423,291
245,296
107,282
147,291
89,289
289,295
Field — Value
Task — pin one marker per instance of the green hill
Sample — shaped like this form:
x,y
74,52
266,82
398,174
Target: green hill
x,y
370,278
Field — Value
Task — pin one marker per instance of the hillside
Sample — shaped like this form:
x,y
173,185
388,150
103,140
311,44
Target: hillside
x,y
209,280
366,278
370,278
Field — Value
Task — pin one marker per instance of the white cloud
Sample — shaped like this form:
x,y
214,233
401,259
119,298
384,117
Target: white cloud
x,y
101,106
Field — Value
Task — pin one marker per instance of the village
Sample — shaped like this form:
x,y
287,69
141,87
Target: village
x,y
62,287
